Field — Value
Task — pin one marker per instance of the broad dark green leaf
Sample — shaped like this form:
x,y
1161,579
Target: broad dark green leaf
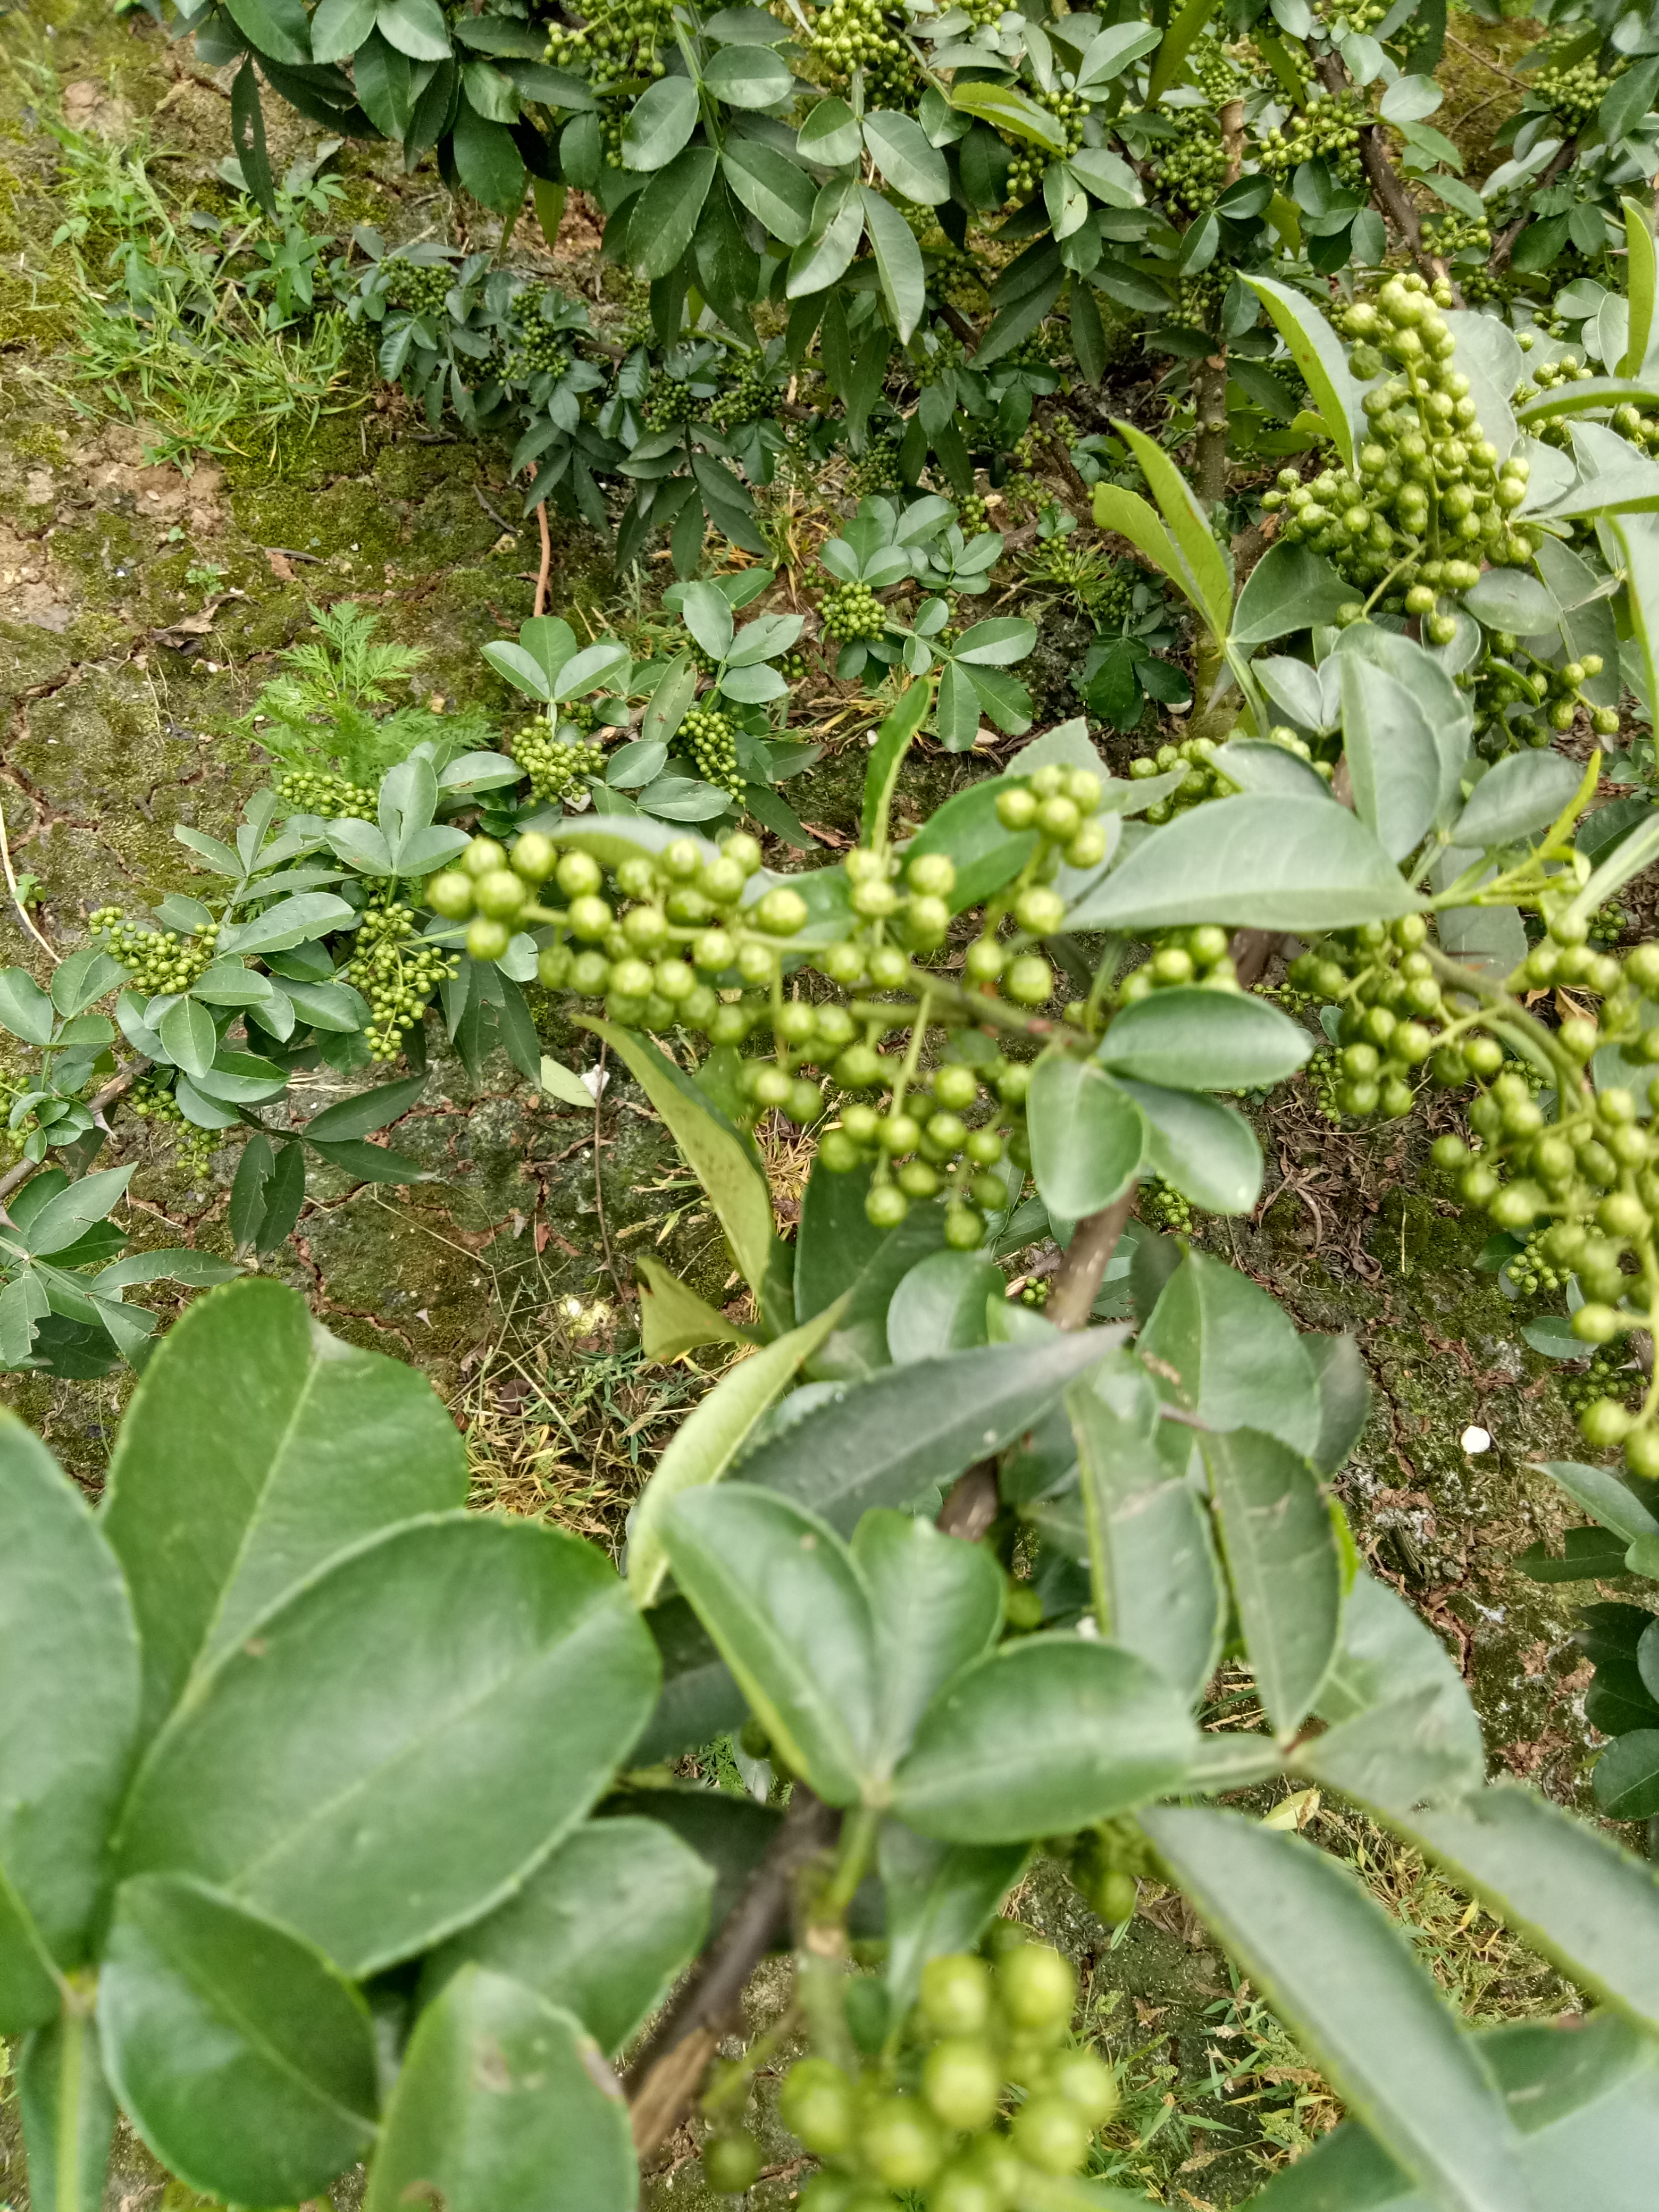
x,y
1197,1040
833,1222
377,1107
665,215
905,1435
1284,1565
1583,2095
212,1517
1235,1352
887,755
1086,1135
1341,1973
1157,1583
1603,1496
25,1009
1567,1888
1318,353
502,2101
710,1438
244,2059
940,1306
711,1148
67,2149
1290,588
71,1209
387,1755
747,76
602,1927
1206,1151
68,1692
776,192
1267,861
1040,1737
1392,756
673,1319
939,1896
937,1604
823,256
1344,1398
1402,1730
1518,795
791,1613
277,27
912,165
659,123
1625,1777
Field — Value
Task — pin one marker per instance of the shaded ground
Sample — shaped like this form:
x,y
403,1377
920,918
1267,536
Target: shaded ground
x,y
140,609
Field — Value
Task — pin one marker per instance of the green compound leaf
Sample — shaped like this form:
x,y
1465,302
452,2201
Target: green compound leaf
x,y
1317,352
244,2059
1193,1039
1284,1565
1087,1133
791,1614
1040,1738
502,2101
68,1675
937,1605
1334,1966
601,1927
1262,861
328,1445
374,1808
1229,1353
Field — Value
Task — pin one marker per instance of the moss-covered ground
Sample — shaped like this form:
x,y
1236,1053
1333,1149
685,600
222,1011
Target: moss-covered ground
x,y
141,602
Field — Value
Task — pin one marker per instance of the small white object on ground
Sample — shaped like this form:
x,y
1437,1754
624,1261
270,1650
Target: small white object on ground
x,y
1476,1440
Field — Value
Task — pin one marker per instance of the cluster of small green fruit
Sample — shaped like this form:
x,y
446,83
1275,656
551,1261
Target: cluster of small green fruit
x,y
1384,982
421,286
618,42
1214,71
1192,171
555,765
1448,233
1326,130
1194,954
1572,92
151,1099
851,34
851,611
1431,498
395,972
670,402
1161,1206
1516,695
537,349
161,960
1199,303
751,393
1607,1375
1533,1270
709,738
986,2096
1202,780
334,797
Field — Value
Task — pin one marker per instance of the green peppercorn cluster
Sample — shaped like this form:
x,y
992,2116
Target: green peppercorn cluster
x,y
973,515
851,34
985,2097
1431,499
670,403
751,392
1192,170
537,349
1573,93
1449,233
1641,429
618,42
875,473
1197,954
1548,375
396,971
1608,923
1384,981
1609,1374
1198,303
161,960
1519,698
851,610
421,286
1323,1073
555,765
1203,780
1533,1269
151,1099
710,738
1351,17
1326,130
1162,1206
1214,71
334,798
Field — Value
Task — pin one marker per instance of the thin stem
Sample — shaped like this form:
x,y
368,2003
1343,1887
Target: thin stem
x,y
858,1845
51,950
1079,1278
